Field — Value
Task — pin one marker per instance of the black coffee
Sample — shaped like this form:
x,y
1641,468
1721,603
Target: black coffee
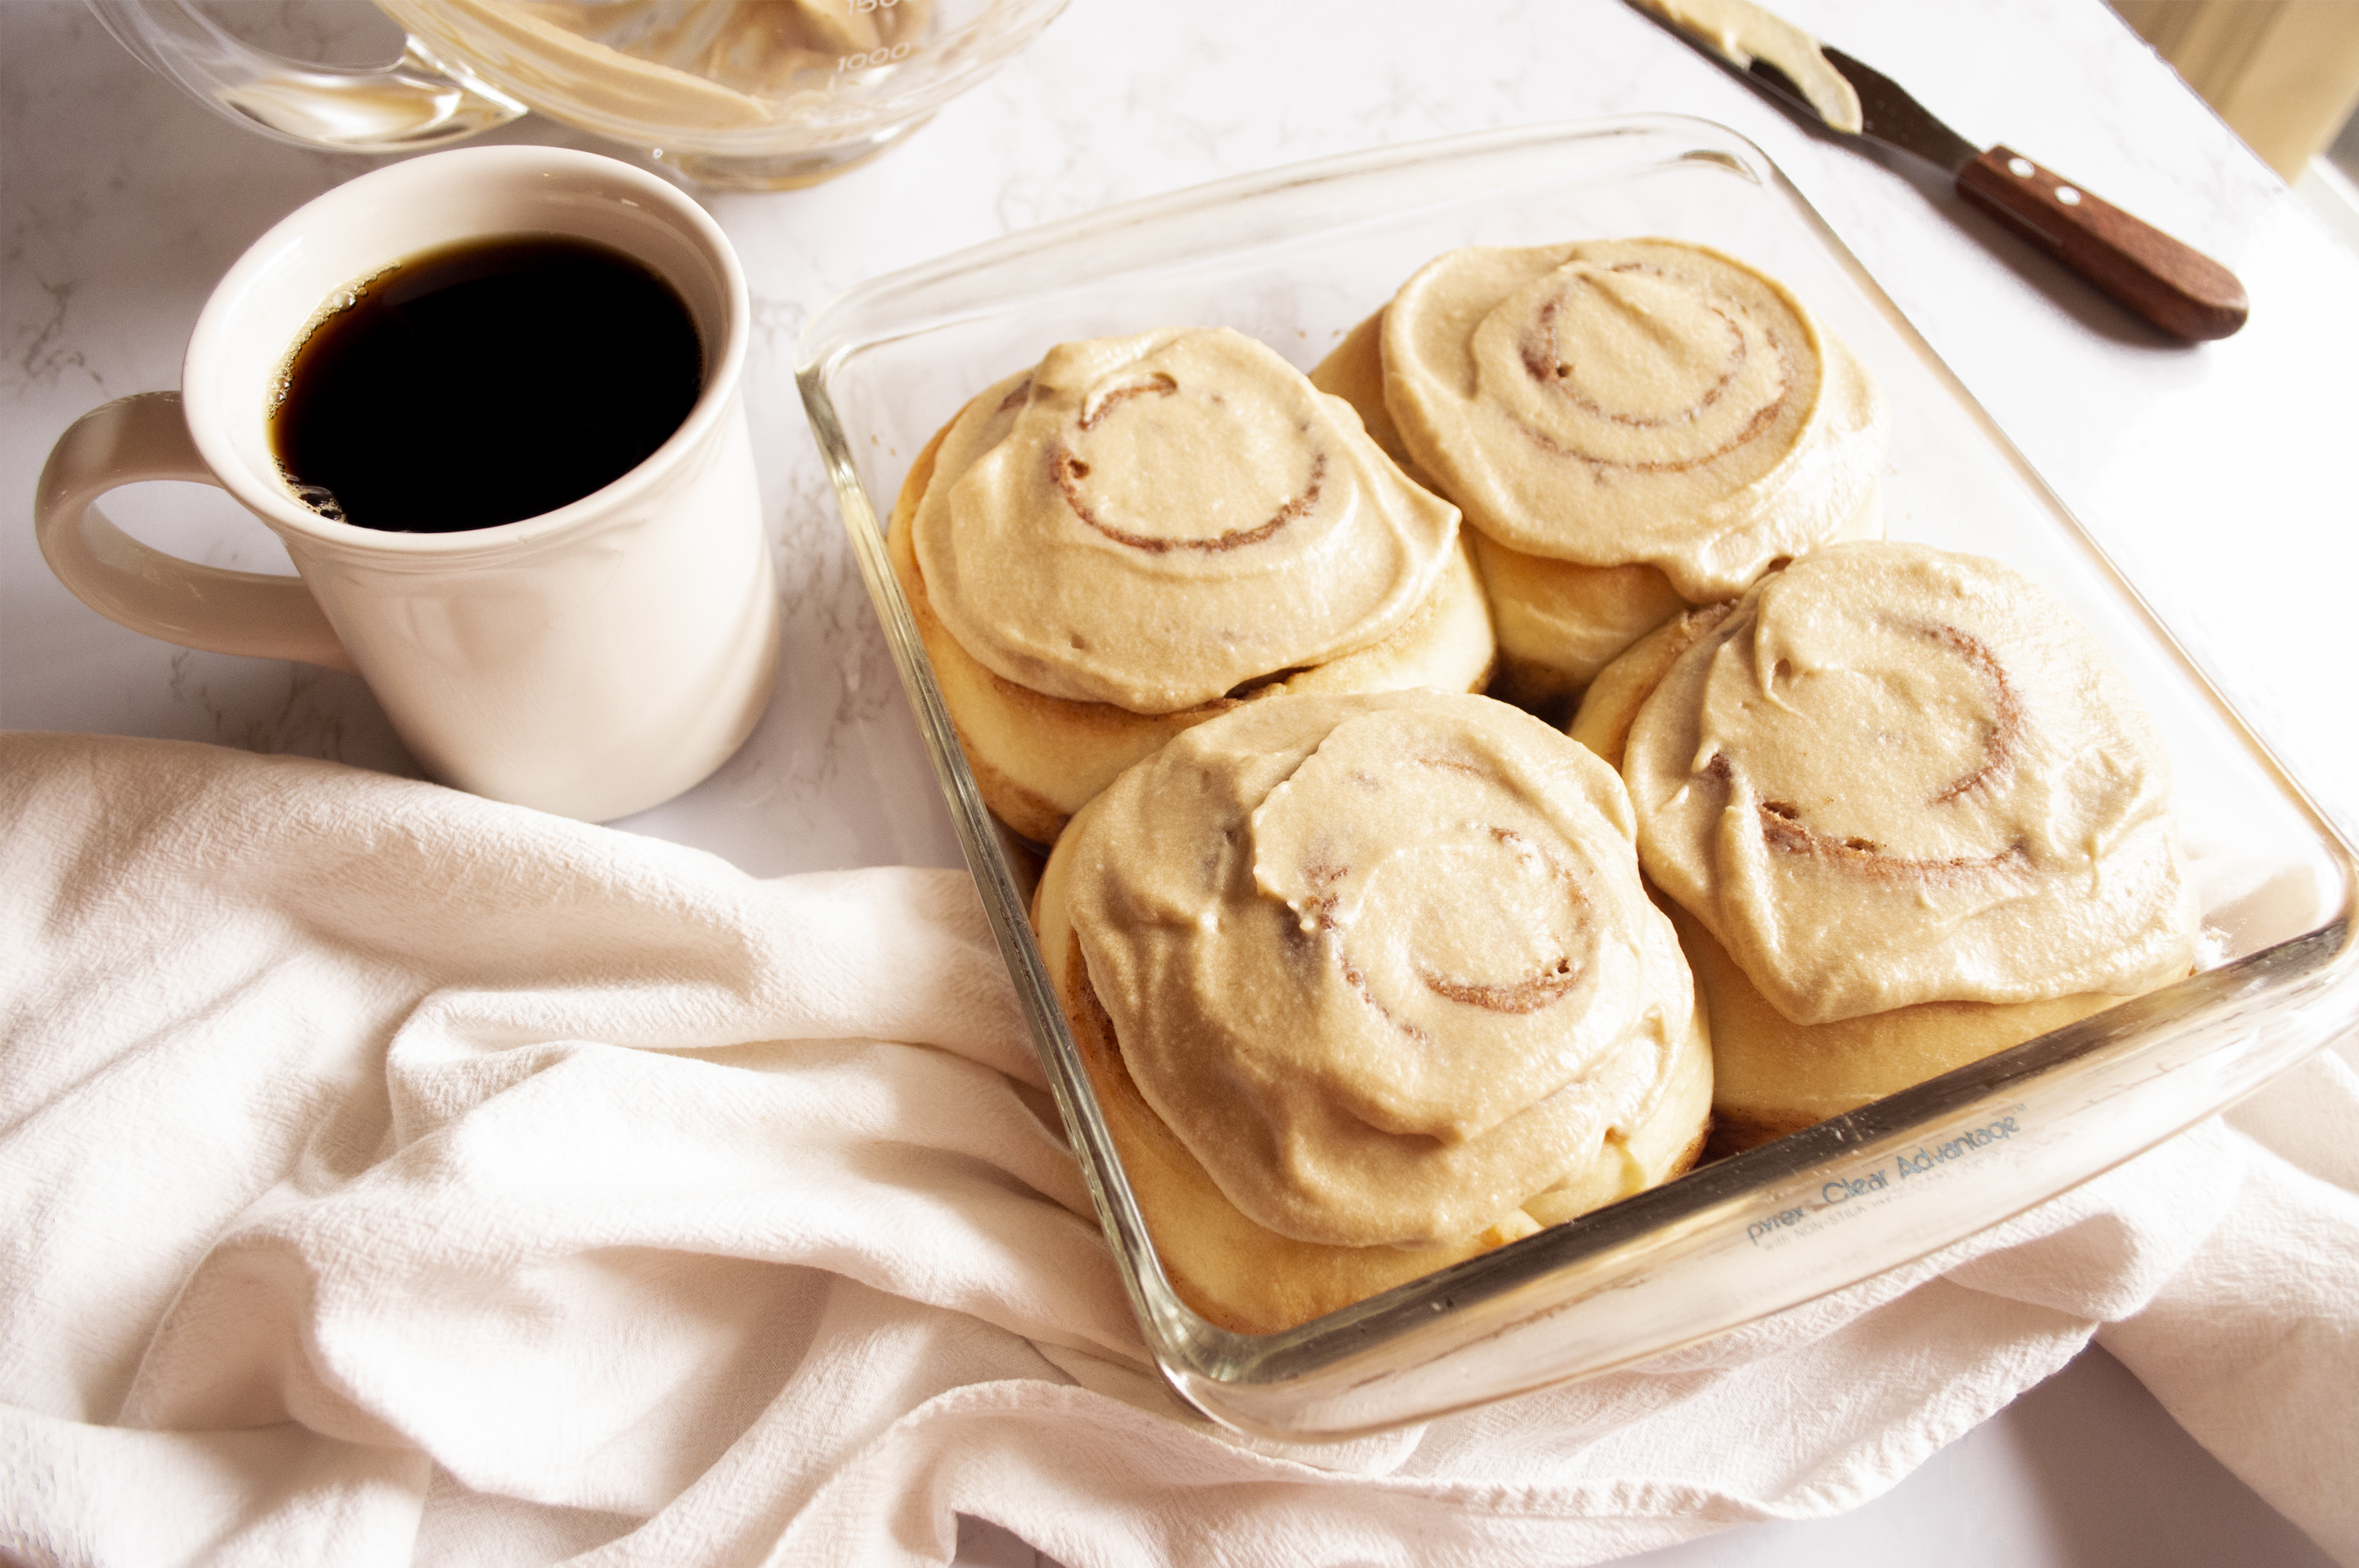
x,y
483,383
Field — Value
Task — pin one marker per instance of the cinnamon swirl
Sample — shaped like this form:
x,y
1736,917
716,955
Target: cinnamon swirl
x,y
1141,532
1631,427
1366,985
1911,815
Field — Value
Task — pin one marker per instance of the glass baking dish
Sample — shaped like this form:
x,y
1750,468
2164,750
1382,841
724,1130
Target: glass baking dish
x,y
1295,257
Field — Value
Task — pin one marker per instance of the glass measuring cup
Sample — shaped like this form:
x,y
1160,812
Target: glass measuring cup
x,y
755,94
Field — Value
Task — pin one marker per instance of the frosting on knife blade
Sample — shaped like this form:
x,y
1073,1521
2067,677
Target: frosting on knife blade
x,y
1741,33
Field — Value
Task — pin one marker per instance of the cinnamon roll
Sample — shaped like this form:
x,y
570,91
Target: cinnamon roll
x,y
1911,815
1366,985
1142,532
1631,427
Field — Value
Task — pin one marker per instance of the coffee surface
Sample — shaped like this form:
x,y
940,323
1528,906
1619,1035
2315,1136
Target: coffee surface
x,y
485,382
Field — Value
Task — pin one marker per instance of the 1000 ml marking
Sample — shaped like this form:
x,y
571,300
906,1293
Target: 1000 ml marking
x,y
1843,1195
873,58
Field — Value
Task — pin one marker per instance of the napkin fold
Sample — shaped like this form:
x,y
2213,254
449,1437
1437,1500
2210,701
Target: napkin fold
x,y
388,1175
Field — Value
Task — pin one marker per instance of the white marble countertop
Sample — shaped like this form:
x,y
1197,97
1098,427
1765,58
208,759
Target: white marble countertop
x,y
2215,476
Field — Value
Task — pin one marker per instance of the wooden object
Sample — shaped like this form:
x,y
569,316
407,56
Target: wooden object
x,y
2175,286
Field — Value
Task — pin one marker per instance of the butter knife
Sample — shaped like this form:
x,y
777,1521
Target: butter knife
x,y
2175,286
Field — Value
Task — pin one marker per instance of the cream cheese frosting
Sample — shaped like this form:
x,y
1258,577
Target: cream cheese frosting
x,y
1742,33
1627,401
705,66
1153,521
1895,774
1384,964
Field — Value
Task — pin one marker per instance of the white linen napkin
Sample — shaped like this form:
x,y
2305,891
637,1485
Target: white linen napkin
x,y
392,1176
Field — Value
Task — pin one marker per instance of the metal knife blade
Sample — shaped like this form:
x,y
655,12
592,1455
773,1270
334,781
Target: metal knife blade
x,y
1890,117
2171,284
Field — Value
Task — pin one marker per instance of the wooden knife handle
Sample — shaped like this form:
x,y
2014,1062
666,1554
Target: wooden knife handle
x,y
2180,289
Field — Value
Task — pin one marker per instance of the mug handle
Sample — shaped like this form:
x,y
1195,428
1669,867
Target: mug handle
x,y
144,437
413,103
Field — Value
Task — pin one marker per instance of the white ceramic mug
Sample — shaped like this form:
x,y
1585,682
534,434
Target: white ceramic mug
x,y
591,661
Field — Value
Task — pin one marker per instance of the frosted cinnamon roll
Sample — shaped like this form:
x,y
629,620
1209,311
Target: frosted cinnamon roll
x,y
1911,815
1631,427
1141,532
1366,985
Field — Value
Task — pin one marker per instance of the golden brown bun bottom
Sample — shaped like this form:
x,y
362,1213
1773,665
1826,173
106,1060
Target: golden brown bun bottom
x,y
1770,1075
1251,1280
1038,758
1353,371
1560,623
